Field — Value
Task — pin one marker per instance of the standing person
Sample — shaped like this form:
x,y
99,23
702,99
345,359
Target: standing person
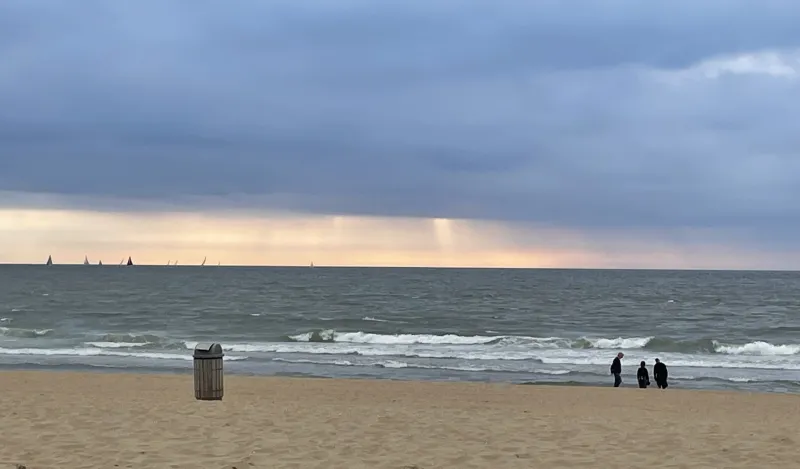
x,y
642,376
660,374
616,369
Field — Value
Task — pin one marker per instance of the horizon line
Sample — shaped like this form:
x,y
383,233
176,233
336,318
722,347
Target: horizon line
x,y
355,266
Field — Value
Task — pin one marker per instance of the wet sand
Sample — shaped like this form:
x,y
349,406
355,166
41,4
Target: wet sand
x,y
67,420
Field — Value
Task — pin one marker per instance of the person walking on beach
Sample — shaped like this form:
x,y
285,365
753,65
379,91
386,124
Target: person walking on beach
x,y
660,374
642,376
616,369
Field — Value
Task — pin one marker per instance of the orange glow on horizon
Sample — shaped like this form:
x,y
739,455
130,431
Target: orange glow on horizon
x,y
283,239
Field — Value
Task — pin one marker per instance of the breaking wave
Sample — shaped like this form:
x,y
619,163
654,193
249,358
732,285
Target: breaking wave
x,y
655,344
130,340
24,333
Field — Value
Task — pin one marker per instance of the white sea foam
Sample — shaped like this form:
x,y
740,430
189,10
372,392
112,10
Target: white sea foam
x,y
408,339
370,318
315,362
29,333
403,364
758,348
482,352
620,343
330,335
116,344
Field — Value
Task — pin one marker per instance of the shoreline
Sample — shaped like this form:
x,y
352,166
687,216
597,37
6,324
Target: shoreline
x,y
100,420
628,383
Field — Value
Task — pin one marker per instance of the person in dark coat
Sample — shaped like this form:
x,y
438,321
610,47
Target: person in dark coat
x,y
616,369
642,376
660,374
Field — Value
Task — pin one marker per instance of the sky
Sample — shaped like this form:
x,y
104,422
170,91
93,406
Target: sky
x,y
581,133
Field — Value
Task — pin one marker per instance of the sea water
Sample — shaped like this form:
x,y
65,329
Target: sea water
x,y
730,330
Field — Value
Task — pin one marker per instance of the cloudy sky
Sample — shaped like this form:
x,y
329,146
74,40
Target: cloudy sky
x,y
580,133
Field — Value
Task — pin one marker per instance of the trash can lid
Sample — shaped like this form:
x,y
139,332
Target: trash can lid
x,y
208,350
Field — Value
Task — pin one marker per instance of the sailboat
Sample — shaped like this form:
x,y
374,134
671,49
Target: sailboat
x,y
312,265
100,263
49,260
204,261
130,262
122,261
85,260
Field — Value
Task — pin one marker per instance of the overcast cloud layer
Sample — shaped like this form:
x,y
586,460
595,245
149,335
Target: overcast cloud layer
x,y
584,114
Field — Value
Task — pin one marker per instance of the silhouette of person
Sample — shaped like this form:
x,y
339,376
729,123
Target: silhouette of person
x,y
616,369
642,376
660,374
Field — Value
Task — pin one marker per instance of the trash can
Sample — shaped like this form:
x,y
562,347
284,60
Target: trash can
x,y
208,372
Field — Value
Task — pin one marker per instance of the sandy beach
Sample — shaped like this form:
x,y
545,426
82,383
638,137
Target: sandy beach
x,y
71,420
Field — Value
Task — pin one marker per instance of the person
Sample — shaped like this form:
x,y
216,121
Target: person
x,y
616,369
660,374
642,376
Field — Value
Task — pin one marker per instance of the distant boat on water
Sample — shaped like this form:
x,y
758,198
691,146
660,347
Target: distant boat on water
x,y
130,262
100,263
204,261
49,260
85,260
312,265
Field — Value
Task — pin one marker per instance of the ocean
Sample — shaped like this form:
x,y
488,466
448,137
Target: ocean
x,y
713,329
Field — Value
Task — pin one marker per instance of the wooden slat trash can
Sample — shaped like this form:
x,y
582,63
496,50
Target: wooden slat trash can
x,y
208,372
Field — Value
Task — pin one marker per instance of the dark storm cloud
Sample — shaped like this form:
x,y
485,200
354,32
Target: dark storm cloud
x,y
582,113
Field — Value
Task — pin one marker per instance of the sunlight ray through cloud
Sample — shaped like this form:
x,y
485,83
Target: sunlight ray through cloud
x,y
586,118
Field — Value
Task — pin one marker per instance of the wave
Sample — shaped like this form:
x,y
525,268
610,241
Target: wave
x,y
130,337
655,344
96,352
330,335
402,364
618,343
370,318
758,348
24,333
566,357
116,344
130,340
